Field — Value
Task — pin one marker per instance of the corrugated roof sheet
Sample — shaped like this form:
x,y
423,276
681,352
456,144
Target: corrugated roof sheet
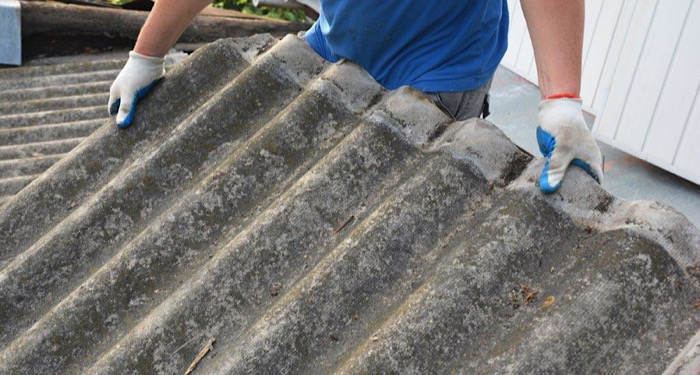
x,y
49,107
45,111
311,222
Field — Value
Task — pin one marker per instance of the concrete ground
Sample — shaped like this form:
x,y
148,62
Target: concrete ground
x,y
514,109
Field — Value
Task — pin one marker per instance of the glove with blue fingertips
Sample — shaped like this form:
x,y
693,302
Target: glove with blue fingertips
x,y
138,76
564,139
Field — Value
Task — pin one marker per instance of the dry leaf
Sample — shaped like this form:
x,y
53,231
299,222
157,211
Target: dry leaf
x,y
547,302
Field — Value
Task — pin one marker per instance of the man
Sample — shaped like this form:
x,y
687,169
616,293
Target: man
x,y
449,50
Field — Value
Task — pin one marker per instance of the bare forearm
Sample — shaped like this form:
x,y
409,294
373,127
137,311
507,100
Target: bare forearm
x,y
556,29
165,24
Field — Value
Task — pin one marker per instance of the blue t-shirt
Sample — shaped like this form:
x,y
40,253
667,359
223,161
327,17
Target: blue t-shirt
x,y
449,45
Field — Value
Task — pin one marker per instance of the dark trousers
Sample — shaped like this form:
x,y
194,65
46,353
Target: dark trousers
x,y
463,105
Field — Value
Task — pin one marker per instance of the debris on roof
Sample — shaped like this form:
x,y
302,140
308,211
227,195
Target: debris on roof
x,y
312,222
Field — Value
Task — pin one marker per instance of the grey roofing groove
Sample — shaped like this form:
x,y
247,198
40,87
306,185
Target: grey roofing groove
x,y
51,117
313,222
29,150
61,69
28,106
27,166
11,185
55,91
58,80
48,133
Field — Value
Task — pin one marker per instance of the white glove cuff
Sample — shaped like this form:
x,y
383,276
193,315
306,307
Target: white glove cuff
x,y
149,59
561,112
149,67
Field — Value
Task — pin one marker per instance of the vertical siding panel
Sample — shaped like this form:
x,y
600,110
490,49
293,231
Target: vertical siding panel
x,y
612,58
651,73
687,160
515,35
624,74
599,49
593,9
676,100
526,54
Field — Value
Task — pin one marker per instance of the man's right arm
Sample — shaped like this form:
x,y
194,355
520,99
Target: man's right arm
x,y
166,22
556,28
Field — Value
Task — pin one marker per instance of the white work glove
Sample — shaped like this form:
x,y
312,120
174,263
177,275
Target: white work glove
x,y
137,77
564,139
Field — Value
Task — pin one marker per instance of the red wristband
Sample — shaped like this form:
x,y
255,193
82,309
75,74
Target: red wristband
x,y
564,95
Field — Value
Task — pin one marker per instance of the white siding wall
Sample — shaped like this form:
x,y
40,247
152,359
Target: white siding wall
x,y
641,76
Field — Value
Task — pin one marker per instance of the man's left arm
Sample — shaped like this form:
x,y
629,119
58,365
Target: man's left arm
x,y
556,29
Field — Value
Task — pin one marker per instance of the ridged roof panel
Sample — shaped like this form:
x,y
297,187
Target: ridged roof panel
x,y
45,111
311,222
48,107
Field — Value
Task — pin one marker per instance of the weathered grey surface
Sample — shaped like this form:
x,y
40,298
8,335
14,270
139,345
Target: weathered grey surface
x,y
313,222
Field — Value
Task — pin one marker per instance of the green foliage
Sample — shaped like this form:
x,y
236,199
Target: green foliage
x,y
246,6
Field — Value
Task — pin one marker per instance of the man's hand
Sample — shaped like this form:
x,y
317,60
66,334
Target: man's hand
x,y
564,139
139,75
166,22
